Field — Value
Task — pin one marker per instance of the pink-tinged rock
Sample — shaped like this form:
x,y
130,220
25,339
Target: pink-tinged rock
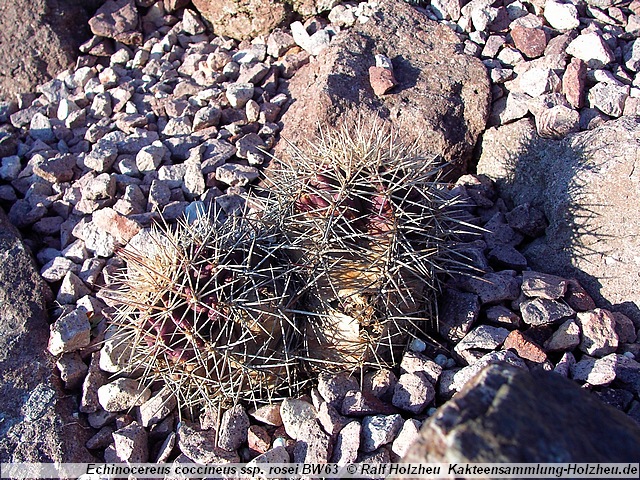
x,y
378,430
599,336
131,444
269,414
357,404
332,422
122,394
347,443
574,82
524,347
577,297
408,434
595,371
117,19
565,339
413,392
413,362
69,333
258,439
530,41
333,388
56,170
200,446
120,227
542,285
382,80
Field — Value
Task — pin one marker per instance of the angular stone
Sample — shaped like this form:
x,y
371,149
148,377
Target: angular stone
x,y
530,41
236,175
200,446
542,285
122,394
206,117
502,316
330,420
413,392
479,423
565,338
296,416
592,49
561,16
157,408
506,256
524,347
239,94
72,370
413,362
71,289
379,383
269,414
258,439
608,98
483,337
358,404
131,444
625,329
117,19
234,428
345,450
333,388
495,287
459,311
595,371
542,311
599,336
69,333
574,82
409,433
56,269
378,430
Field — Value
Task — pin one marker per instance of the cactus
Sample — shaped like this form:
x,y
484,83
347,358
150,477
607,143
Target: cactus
x,y
370,230
203,311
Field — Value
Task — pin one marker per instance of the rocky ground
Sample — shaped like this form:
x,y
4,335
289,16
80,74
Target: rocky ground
x,y
157,118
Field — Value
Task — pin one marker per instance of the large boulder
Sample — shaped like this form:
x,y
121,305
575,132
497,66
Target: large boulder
x,y
588,185
506,414
38,423
441,100
39,39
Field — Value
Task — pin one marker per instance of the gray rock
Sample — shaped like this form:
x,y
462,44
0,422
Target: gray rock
x,y
233,428
95,379
599,337
347,443
206,117
495,287
413,392
505,256
275,455
122,394
330,420
595,371
149,158
200,446
563,367
413,362
541,311
565,338
579,183
479,424
592,49
296,416
236,175
26,369
72,370
56,269
70,333
101,439
131,444
502,316
239,94
102,156
542,285
483,337
608,98
625,329
117,19
157,408
557,121
71,289
333,388
378,430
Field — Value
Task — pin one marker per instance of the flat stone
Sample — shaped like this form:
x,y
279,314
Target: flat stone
x,y
483,337
236,175
345,450
413,392
542,285
131,444
495,287
234,428
506,256
378,430
122,394
56,269
599,336
541,311
565,338
69,333
524,347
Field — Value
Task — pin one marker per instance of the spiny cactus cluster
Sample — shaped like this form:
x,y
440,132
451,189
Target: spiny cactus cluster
x,y
334,272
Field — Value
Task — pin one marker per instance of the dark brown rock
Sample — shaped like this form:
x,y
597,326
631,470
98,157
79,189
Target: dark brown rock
x,y
505,414
442,96
37,414
39,39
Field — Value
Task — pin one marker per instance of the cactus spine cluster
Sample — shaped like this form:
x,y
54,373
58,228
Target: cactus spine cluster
x,y
335,272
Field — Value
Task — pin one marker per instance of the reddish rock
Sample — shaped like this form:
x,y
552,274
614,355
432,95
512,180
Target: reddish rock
x,y
573,82
442,97
577,297
530,41
258,439
122,228
524,347
118,19
599,337
382,80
